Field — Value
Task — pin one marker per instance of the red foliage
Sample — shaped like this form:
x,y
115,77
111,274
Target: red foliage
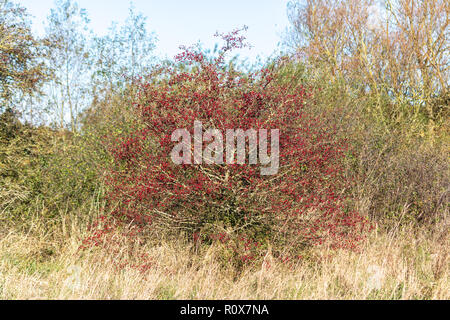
x,y
300,206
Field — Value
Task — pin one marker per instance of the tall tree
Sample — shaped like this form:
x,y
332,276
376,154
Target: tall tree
x,y
122,55
67,26
22,67
392,49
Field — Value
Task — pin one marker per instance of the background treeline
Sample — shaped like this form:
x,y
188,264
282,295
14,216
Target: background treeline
x,y
384,85
59,95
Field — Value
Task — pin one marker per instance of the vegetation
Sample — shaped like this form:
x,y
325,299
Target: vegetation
x,y
359,208
22,68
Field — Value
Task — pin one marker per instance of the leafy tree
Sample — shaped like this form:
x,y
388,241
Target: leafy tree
x,y
22,67
67,27
121,55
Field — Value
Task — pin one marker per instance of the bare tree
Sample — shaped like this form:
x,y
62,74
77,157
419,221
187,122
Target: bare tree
x,y
396,49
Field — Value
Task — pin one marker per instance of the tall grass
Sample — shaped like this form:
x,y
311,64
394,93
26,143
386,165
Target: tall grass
x,y
393,265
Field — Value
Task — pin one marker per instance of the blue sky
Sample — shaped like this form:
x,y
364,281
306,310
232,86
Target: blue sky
x,y
178,22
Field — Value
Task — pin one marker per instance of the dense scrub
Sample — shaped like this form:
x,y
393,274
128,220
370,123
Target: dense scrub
x,y
44,174
302,205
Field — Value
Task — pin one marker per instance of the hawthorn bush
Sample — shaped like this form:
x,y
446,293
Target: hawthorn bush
x,y
304,204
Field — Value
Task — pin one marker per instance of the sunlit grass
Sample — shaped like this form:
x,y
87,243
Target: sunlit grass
x,y
389,266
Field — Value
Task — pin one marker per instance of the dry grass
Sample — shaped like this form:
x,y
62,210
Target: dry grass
x,y
400,265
